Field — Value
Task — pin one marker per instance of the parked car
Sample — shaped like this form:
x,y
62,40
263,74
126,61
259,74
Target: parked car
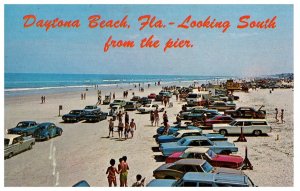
x,y
46,131
150,107
82,183
24,128
219,147
118,102
249,126
199,98
145,101
74,116
198,114
247,112
177,169
202,179
14,144
216,160
107,100
218,119
95,116
91,108
185,133
135,98
152,96
174,129
222,106
131,105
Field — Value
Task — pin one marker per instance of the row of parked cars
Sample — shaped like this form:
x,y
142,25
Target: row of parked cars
x,y
23,136
196,159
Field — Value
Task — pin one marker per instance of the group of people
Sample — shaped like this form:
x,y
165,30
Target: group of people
x,y
281,115
154,117
125,94
123,172
83,96
43,99
126,127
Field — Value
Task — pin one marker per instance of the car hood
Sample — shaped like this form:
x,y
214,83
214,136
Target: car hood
x,y
161,183
227,171
228,158
175,155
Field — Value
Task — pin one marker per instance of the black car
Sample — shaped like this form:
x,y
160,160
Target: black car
x,y
144,101
74,116
95,116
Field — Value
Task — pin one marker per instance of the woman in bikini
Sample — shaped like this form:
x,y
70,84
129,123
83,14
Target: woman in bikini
x,y
111,171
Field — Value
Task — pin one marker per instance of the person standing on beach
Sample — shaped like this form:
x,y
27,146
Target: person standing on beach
x,y
120,129
156,117
84,96
124,171
120,115
152,117
132,127
126,130
139,181
111,171
81,96
281,116
111,127
114,95
165,118
42,99
126,117
276,115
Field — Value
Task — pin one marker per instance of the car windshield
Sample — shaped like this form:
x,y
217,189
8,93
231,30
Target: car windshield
x,y
89,107
6,142
74,112
117,101
207,167
192,96
211,154
176,134
23,124
232,123
181,141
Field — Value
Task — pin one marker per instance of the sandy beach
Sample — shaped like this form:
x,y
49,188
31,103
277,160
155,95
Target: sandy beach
x,y
83,151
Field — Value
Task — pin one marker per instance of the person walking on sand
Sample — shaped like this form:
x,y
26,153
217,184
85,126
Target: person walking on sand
x,y
126,131
281,116
81,96
139,181
165,117
132,127
84,96
111,127
123,170
126,117
156,117
42,99
114,95
152,117
120,129
120,115
276,115
111,171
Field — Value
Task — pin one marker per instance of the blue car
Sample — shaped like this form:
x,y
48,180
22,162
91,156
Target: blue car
x,y
185,133
219,147
46,131
202,179
24,128
174,129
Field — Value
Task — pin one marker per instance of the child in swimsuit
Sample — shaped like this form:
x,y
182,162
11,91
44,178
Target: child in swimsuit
x,y
111,171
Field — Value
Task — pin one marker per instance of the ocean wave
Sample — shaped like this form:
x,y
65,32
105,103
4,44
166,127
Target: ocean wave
x,y
45,88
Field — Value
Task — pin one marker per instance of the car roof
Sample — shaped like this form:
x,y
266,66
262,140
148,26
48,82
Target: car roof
x,y
27,122
196,138
250,120
196,150
190,161
45,123
237,179
189,131
11,136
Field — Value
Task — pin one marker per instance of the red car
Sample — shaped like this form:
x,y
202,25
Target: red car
x,y
152,96
216,160
218,119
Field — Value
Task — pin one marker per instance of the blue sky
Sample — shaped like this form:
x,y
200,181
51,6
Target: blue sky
x,y
236,52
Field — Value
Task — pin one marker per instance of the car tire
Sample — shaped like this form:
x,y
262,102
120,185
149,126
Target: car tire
x,y
59,133
10,155
30,147
257,132
169,177
223,132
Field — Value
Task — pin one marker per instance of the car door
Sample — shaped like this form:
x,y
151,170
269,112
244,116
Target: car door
x,y
248,128
52,130
236,129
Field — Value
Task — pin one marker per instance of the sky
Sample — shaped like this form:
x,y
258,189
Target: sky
x,y
242,52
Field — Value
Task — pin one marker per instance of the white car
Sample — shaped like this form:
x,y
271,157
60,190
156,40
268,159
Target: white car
x,y
249,126
150,107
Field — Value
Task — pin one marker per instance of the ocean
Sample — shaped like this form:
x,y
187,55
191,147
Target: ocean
x,y
35,83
